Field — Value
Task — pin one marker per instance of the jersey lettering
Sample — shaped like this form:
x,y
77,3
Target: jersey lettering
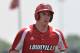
x,y
42,47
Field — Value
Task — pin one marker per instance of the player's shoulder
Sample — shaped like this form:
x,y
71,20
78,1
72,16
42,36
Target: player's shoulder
x,y
56,30
59,33
27,28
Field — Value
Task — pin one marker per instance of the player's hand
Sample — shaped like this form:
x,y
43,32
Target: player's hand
x,y
14,51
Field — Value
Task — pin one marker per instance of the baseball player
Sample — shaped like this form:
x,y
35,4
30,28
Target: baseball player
x,y
39,37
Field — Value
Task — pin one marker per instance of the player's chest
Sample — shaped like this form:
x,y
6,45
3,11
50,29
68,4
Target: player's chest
x,y
39,39
35,43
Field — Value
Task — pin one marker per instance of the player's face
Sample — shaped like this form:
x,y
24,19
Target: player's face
x,y
45,16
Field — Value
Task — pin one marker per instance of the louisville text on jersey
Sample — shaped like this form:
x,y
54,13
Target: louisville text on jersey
x,y
42,47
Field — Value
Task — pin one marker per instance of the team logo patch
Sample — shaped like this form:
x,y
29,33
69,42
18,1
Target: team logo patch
x,y
32,38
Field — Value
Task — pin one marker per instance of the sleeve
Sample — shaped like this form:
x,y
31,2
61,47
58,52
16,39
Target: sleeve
x,y
17,44
62,44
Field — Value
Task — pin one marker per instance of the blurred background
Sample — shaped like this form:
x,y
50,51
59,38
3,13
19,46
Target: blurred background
x,y
66,18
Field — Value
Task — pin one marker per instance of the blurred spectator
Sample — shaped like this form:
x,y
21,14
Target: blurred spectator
x,y
74,43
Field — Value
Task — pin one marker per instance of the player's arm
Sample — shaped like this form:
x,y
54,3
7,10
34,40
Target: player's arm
x,y
62,44
17,44
13,51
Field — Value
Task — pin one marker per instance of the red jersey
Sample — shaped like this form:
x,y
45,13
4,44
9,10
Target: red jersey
x,y
31,40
